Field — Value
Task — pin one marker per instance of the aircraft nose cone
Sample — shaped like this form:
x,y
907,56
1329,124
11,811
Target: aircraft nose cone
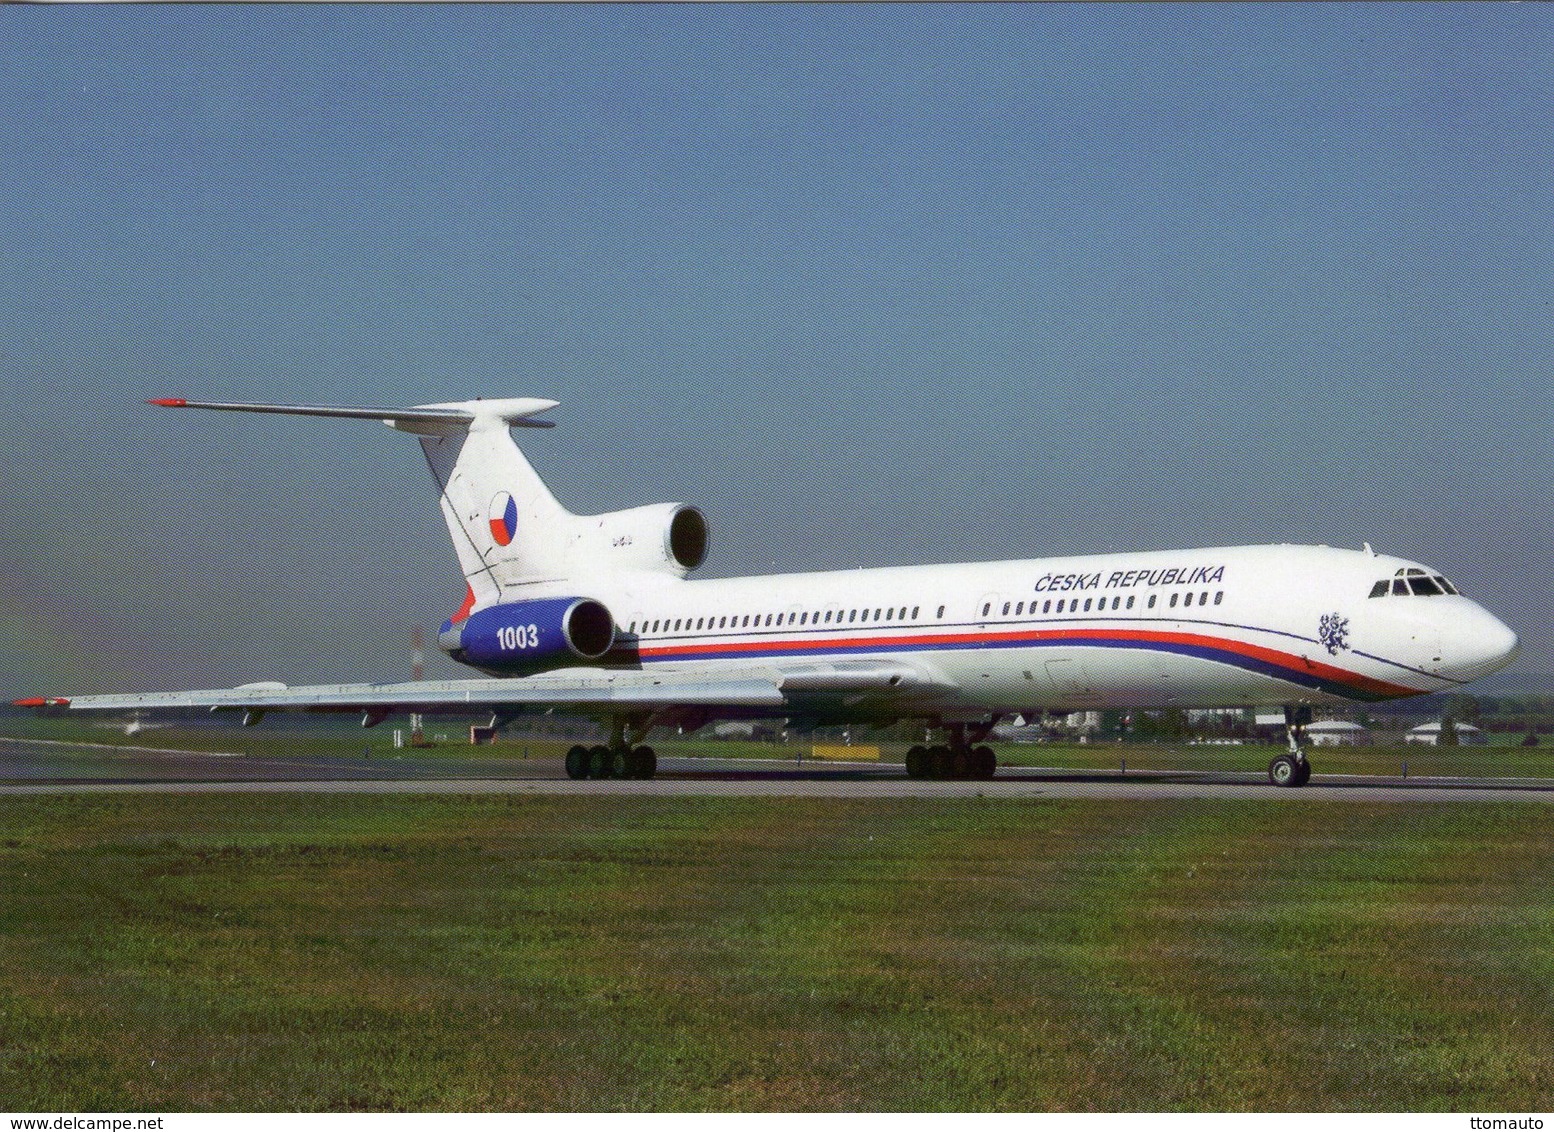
x,y
1481,645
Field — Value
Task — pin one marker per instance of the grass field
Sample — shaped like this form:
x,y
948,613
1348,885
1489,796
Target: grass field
x,y
427,952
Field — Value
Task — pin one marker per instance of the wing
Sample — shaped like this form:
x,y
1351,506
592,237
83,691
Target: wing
x,y
769,691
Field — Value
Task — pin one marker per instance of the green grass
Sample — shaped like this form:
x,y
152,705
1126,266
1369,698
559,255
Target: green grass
x,y
421,952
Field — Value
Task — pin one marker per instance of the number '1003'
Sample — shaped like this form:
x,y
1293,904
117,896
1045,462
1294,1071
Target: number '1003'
x,y
519,636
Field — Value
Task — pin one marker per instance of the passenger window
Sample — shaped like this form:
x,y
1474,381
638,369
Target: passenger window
x,y
1087,604
915,608
1130,601
1151,601
1006,609
1219,597
1046,606
1186,599
1173,601
986,609
941,612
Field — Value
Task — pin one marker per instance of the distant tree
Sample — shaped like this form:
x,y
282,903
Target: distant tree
x,y
1448,731
1464,708
1173,725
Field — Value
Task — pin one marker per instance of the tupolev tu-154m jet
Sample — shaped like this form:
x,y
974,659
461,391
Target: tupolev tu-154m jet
x,y
594,616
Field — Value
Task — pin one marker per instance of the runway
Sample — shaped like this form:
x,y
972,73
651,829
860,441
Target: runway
x,y
35,767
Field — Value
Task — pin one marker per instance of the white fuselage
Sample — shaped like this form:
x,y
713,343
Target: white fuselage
x,y
1238,626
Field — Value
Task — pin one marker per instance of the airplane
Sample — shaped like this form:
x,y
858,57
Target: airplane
x,y
595,616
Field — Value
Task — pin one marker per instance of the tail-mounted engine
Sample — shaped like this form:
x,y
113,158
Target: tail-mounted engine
x,y
671,537
527,636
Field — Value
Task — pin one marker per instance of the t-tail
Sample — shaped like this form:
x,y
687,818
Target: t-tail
x,y
515,542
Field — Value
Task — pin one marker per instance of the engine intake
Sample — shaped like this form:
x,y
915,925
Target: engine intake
x,y
526,636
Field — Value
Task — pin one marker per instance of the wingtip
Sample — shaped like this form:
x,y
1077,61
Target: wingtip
x,y
41,702
169,402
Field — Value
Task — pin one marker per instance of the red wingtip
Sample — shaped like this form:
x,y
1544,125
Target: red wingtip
x,y
41,701
169,402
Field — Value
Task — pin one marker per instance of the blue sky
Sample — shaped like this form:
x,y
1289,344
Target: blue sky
x,y
870,284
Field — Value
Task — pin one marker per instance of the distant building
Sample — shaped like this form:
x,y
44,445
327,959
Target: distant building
x,y
1430,734
1338,733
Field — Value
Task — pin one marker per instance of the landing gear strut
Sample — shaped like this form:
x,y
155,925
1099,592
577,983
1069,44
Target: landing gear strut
x,y
962,758
621,758
1293,768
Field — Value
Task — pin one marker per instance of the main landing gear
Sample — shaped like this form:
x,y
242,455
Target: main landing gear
x,y
962,758
1293,768
611,762
621,758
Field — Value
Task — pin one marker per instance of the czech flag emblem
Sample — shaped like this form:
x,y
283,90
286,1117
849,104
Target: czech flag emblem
x,y
504,518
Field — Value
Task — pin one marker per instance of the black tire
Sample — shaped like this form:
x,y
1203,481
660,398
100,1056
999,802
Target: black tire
x,y
984,763
1305,772
577,762
941,762
917,762
601,762
1284,771
643,762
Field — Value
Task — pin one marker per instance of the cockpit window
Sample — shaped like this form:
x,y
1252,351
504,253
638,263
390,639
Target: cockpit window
x,y
1410,581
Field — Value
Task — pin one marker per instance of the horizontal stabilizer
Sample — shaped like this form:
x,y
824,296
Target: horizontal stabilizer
x,y
427,420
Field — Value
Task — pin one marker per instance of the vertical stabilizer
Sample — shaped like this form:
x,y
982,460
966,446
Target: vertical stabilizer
x,y
507,527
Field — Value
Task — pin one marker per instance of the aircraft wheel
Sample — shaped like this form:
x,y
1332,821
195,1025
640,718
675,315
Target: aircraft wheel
x,y
1284,771
577,762
601,762
1305,772
917,762
642,763
940,762
960,763
984,763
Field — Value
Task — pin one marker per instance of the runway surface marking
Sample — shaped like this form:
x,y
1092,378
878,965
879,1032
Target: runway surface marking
x,y
118,747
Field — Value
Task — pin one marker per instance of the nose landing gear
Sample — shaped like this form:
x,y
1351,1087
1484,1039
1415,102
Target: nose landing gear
x,y
1293,768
